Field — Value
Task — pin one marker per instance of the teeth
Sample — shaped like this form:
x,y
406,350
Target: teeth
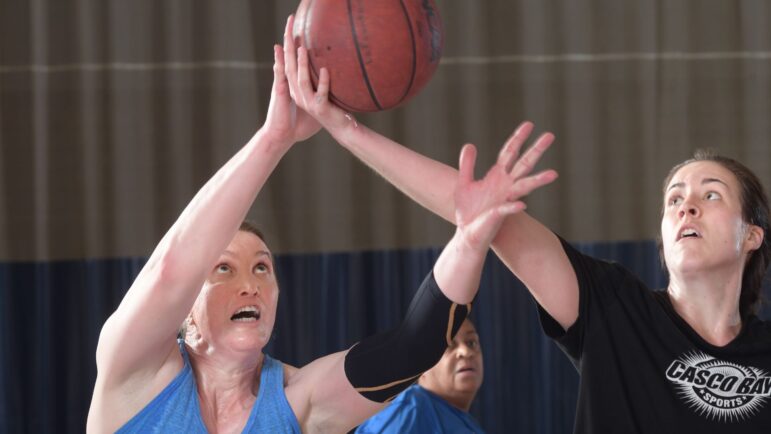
x,y
246,314
689,233
247,309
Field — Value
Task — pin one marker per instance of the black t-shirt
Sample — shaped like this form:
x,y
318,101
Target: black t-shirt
x,y
645,370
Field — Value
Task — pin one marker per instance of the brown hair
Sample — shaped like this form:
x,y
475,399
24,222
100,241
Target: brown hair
x,y
251,227
754,211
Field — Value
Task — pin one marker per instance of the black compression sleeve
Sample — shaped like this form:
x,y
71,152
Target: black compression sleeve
x,y
381,366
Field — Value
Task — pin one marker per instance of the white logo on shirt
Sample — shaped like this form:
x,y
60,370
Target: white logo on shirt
x,y
719,390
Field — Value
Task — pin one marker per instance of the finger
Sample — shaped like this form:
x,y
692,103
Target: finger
x,y
278,63
468,156
290,53
510,151
322,90
527,185
303,72
279,78
511,208
531,157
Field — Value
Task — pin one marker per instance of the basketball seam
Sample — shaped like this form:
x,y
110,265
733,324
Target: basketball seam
x,y
414,53
361,60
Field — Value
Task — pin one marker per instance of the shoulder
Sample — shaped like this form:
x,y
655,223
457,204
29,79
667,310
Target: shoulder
x,y
402,415
289,372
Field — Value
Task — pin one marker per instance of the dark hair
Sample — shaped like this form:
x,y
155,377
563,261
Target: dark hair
x,y
754,211
251,227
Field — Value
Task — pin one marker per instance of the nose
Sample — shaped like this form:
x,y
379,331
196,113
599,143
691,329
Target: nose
x,y
464,351
249,288
688,209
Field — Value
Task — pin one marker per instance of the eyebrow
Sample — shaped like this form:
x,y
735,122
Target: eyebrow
x,y
257,253
703,181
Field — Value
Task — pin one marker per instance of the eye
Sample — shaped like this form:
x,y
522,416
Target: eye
x,y
712,195
675,200
222,269
473,344
261,268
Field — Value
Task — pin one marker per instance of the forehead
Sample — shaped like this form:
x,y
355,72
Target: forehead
x,y
697,172
247,243
466,328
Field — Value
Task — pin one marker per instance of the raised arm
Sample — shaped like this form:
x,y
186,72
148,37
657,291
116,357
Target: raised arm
x,y
344,388
529,249
139,339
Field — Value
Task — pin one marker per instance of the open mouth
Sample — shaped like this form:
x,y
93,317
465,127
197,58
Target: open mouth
x,y
688,233
246,314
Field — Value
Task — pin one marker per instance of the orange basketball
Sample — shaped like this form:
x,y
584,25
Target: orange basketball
x,y
379,53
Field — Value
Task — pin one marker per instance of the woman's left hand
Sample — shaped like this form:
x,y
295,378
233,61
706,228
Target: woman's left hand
x,y
482,205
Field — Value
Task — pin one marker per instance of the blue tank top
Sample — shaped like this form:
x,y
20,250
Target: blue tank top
x,y
176,408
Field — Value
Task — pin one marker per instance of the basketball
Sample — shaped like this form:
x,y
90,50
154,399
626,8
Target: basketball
x,y
379,53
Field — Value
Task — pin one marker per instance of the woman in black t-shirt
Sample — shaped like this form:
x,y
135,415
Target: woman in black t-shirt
x,y
693,357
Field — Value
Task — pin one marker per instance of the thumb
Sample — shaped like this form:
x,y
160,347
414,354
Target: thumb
x,y
468,157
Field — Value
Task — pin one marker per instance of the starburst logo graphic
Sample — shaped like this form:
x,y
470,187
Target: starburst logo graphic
x,y
718,390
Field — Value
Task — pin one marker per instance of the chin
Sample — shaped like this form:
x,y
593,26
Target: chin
x,y
253,341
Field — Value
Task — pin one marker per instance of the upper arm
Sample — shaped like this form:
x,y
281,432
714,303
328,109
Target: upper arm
x,y
137,339
324,400
536,256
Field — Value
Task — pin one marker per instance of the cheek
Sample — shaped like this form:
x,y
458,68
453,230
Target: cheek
x,y
206,299
667,227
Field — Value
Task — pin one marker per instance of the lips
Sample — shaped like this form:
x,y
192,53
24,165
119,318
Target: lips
x,y
465,369
688,232
249,313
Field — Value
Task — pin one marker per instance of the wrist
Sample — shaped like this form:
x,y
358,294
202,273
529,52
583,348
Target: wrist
x,y
345,129
272,140
469,245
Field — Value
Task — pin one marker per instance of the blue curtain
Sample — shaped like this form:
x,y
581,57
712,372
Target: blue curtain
x,y
51,314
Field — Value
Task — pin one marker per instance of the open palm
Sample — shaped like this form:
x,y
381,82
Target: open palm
x,y
481,205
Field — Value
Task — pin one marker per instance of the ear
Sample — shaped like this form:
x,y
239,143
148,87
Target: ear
x,y
191,330
754,238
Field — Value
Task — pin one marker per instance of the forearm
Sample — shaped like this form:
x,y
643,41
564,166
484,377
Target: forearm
x,y
381,366
459,268
426,181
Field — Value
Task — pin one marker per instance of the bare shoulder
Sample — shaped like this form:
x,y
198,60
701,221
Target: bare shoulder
x,y
322,398
290,373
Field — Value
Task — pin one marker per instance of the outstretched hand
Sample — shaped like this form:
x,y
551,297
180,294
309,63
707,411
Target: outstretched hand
x,y
482,205
314,102
285,122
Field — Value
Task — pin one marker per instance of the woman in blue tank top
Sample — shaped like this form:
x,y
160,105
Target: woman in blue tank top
x,y
216,276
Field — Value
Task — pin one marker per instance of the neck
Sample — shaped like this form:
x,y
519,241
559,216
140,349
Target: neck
x,y
709,303
460,400
227,387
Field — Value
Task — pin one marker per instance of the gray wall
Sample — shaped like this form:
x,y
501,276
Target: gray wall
x,y
113,113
